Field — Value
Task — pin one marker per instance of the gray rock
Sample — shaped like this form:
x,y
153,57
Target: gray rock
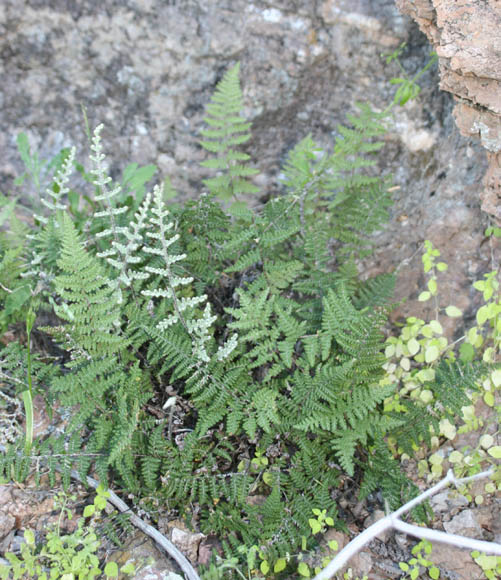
x,y
187,542
447,501
148,68
153,573
7,523
464,524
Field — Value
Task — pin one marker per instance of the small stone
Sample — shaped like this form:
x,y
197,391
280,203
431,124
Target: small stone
x,y
361,564
447,501
454,562
16,543
6,542
150,562
187,542
153,573
464,524
7,523
402,541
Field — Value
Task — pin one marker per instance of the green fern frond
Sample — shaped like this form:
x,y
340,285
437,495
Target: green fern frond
x,y
228,129
375,291
88,302
60,188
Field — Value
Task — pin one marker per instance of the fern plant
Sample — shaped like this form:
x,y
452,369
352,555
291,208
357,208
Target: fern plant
x,y
197,338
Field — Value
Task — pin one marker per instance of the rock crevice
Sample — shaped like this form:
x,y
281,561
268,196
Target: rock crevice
x,y
466,37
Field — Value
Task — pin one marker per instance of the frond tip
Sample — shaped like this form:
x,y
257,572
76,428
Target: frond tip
x,y
228,129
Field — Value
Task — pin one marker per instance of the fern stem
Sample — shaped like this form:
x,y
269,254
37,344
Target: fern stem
x,y
28,395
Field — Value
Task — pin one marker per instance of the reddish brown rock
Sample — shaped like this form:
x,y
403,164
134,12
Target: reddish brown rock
x,y
466,37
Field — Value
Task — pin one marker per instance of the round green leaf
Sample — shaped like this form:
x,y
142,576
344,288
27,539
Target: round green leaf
x,y
88,511
434,572
426,396
436,327
389,351
111,569
100,502
487,357
303,570
453,312
426,375
280,565
413,346
486,562
486,441
424,296
333,545
427,331
489,399
482,315
268,478
102,491
264,567
29,536
447,429
128,568
455,457
315,526
495,451
431,354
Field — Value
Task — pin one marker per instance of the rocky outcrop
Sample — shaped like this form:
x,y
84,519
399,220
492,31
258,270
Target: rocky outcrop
x,y
147,68
466,35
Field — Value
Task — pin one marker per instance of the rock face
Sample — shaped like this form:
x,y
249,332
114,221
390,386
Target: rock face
x,y
147,68
466,37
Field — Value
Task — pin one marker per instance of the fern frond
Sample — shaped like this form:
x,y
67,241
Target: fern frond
x,y
106,191
89,303
228,129
61,179
197,327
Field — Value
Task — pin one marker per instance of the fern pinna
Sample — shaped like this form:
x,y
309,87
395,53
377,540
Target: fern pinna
x,y
198,340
